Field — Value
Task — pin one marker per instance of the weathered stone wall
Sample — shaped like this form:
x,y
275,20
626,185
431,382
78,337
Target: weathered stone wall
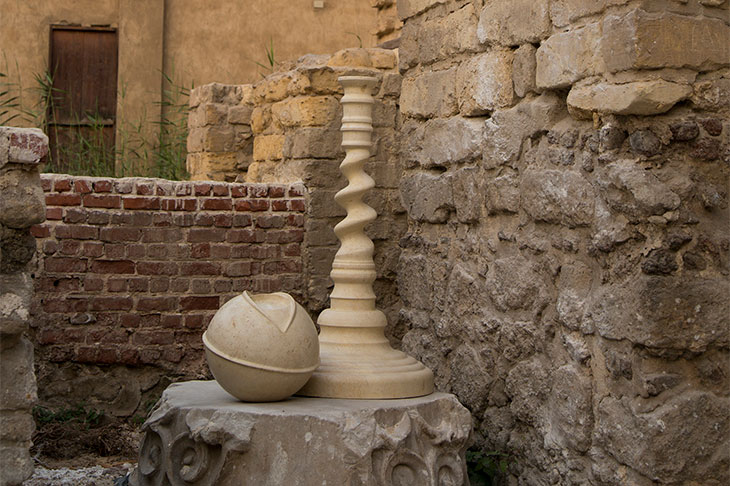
x,y
131,271
21,206
565,270
388,25
286,128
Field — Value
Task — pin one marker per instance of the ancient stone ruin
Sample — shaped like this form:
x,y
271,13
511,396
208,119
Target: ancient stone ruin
x,y
553,236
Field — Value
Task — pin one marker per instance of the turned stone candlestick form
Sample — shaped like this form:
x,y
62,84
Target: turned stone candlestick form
x,y
356,358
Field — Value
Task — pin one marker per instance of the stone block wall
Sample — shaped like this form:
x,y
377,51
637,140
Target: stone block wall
x,y
21,206
565,271
285,128
388,25
131,271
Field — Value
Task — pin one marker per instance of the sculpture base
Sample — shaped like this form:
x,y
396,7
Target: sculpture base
x,y
367,373
199,435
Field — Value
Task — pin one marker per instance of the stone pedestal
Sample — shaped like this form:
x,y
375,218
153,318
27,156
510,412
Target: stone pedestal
x,y
200,435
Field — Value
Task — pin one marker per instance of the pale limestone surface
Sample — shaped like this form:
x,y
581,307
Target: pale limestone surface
x,y
356,358
199,435
261,348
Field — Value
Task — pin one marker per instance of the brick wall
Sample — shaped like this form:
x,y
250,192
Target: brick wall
x,y
131,270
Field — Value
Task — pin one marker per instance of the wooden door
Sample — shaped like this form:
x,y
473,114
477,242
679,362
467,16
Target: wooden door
x,y
83,101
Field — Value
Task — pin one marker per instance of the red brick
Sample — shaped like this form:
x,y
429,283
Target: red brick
x,y
171,321
107,336
46,184
179,204
199,268
93,283
270,221
153,337
112,266
98,217
220,251
61,336
216,205
114,251
292,249
115,234
46,284
277,191
297,205
158,251
64,304
130,320
123,186
199,303
65,265
242,220
145,188
70,247
296,191
156,303
129,357
258,190
241,251
238,269
116,285
252,205
135,252
223,220
206,235
78,232
150,320
107,355
183,188
157,268
54,213
150,356
165,189
161,219
40,231
239,191
200,286
63,200
180,285
92,249
103,201
280,205
141,218
103,186
221,286
110,303
204,219
85,354
61,185
289,266
184,220
221,190
50,247
165,235
202,189
139,284
285,236
200,250
194,321
82,186
75,215
172,354
131,202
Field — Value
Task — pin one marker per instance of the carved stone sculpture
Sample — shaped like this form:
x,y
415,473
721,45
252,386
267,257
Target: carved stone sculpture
x,y
356,358
199,435
261,348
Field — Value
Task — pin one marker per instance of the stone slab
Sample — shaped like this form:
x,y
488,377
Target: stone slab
x,y
200,435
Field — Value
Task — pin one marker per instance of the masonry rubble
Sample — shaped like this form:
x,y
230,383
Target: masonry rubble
x,y
21,206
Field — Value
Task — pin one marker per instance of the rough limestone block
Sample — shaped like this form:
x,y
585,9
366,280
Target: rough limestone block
x,y
15,463
308,111
485,82
18,389
558,197
563,12
22,202
444,142
199,435
514,22
409,8
442,37
566,57
523,70
268,147
430,94
25,145
642,40
637,98
427,197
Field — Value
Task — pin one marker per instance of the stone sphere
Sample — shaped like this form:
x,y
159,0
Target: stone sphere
x,y
261,348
